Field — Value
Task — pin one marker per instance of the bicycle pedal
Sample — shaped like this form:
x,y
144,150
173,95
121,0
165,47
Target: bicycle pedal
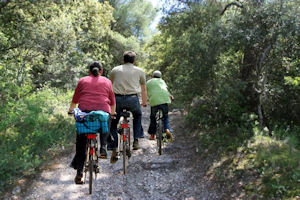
x,y
128,153
96,169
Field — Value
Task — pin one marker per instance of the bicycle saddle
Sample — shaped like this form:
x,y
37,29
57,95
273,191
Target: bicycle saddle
x,y
125,113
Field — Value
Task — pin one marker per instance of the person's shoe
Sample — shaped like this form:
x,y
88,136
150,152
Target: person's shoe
x,y
78,179
135,145
169,135
103,153
114,157
152,137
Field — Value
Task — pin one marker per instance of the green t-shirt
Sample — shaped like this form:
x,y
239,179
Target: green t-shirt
x,y
157,91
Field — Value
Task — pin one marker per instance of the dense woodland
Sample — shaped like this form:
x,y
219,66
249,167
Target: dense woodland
x,y
234,66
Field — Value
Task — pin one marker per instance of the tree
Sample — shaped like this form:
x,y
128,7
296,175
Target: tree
x,y
50,44
234,58
133,17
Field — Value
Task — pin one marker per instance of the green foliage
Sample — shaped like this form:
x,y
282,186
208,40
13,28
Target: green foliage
x,y
264,167
186,51
223,59
278,165
133,17
50,39
31,127
118,44
53,42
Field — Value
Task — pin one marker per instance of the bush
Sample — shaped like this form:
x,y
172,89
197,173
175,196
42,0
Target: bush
x,y
278,165
31,127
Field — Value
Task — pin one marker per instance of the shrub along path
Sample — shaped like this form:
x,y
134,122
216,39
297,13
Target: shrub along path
x,y
176,174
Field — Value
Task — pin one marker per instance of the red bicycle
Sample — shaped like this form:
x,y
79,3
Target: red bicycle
x,y
91,125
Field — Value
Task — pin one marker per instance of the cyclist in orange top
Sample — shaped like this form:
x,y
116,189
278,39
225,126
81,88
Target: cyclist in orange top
x,y
93,92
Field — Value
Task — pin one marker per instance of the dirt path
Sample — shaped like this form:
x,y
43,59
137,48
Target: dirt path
x,y
173,175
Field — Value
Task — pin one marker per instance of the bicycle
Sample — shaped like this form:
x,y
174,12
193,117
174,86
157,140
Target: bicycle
x,y
90,125
124,138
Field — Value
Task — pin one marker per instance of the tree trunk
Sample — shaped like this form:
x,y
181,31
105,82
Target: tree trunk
x,y
247,75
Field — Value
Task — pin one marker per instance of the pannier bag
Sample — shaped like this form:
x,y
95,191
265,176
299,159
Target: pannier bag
x,y
93,122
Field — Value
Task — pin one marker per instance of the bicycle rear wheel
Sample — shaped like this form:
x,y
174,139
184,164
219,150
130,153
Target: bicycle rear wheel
x,y
124,157
159,136
91,169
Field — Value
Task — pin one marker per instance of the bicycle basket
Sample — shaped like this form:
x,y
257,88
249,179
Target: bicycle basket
x,y
91,122
89,125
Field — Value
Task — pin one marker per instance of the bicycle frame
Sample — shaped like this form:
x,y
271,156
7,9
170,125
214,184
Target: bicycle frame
x,y
92,144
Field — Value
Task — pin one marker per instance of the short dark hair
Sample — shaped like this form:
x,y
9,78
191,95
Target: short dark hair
x,y
129,57
95,68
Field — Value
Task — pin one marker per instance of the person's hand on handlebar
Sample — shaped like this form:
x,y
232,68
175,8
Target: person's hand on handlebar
x,y
70,112
113,115
71,108
171,97
144,104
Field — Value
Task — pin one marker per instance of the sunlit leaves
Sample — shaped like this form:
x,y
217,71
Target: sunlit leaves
x,y
133,17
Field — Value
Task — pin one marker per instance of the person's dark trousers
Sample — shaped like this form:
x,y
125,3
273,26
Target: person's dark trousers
x,y
79,158
154,110
132,104
142,132
104,136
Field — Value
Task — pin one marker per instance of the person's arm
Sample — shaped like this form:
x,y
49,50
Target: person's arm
x,y
143,89
144,95
113,109
72,106
112,76
170,95
112,99
75,99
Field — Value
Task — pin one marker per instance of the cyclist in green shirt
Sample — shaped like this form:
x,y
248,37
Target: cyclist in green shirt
x,y
159,98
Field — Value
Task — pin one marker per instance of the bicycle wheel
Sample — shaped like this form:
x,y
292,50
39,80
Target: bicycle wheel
x,y
124,153
91,169
159,135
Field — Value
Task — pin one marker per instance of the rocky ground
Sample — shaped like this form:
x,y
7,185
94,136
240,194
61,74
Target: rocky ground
x,y
176,174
